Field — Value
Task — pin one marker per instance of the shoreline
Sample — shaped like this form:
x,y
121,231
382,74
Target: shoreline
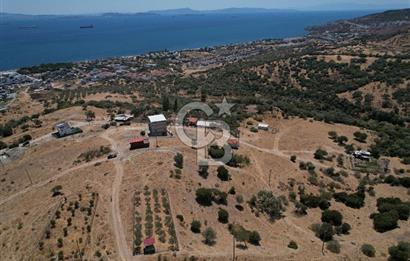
x,y
243,44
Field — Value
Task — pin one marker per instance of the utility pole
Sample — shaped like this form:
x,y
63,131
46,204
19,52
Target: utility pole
x,y
233,248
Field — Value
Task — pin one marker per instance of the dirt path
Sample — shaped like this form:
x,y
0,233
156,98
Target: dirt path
x,y
121,241
45,182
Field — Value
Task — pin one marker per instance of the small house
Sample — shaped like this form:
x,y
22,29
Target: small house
x,y
63,129
157,125
363,155
123,117
139,143
149,248
263,126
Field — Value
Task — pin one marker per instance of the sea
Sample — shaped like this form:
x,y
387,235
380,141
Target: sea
x,y
33,40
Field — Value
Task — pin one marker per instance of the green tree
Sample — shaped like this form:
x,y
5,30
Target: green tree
x,y
179,160
196,226
368,250
401,252
223,173
90,115
333,217
325,233
223,216
254,238
209,236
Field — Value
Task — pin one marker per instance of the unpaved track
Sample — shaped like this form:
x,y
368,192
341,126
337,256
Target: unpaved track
x,y
121,241
44,182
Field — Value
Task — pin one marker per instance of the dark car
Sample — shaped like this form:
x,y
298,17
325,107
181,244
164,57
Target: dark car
x,y
112,156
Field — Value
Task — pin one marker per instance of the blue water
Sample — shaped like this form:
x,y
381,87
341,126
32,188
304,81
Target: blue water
x,y
60,39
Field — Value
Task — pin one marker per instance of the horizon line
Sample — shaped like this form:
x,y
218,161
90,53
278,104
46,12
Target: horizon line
x,y
160,11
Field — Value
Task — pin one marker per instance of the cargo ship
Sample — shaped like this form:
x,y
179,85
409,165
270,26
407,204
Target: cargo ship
x,y
87,26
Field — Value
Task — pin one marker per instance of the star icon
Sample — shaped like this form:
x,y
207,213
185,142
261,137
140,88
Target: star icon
x,y
224,107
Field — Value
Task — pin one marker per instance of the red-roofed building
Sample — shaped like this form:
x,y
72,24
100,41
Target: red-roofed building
x,y
149,241
234,143
139,143
149,247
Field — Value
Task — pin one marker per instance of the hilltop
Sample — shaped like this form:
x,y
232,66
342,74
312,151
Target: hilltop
x,y
321,152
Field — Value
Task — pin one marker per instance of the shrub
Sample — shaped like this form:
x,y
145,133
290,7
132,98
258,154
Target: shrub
x,y
223,173
368,250
293,158
267,203
216,152
360,136
401,252
204,196
179,160
320,154
209,236
333,246
292,244
223,216
355,200
343,229
325,232
333,217
386,221
196,226
254,238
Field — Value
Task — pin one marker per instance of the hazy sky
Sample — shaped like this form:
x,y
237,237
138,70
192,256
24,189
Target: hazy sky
x,y
99,6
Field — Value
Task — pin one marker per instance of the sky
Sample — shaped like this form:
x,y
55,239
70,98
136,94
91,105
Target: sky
x,y
129,6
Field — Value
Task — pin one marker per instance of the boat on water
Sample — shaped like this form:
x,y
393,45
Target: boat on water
x,y
28,27
87,26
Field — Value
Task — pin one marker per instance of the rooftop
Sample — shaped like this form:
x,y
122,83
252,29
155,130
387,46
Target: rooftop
x,y
157,118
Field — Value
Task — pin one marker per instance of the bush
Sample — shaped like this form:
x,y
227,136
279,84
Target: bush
x,y
216,152
292,244
360,136
204,196
223,216
333,246
293,158
333,217
267,203
196,226
368,250
254,238
343,229
386,221
223,173
320,154
355,200
179,160
401,252
325,232
209,236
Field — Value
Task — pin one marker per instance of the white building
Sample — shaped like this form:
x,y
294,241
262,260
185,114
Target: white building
x,y
263,126
157,125
123,117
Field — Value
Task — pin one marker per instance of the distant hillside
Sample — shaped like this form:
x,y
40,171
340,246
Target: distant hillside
x,y
188,11
375,26
390,16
